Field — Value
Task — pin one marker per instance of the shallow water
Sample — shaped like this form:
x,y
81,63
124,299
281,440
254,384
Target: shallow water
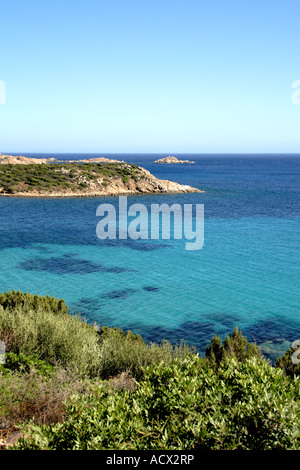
x,y
246,274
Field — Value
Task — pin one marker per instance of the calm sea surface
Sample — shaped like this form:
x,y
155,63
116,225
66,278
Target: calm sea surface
x,y
246,274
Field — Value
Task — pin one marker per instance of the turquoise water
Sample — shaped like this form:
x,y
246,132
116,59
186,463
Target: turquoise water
x,y
246,274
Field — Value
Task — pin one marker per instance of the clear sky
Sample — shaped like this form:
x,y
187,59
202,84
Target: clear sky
x,y
151,76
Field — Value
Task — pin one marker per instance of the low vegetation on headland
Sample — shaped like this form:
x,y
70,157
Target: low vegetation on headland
x,y
66,384
81,179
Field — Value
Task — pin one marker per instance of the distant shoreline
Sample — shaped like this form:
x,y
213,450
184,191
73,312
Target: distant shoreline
x,y
94,195
50,178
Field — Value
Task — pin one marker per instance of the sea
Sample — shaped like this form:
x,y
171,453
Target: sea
x,y
247,273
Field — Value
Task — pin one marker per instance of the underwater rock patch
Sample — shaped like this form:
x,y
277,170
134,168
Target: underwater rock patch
x,y
67,265
118,294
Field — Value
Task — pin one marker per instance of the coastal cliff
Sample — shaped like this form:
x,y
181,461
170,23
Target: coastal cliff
x,y
85,179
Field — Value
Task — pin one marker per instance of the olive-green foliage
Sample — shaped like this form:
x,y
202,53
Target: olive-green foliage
x,y
182,406
22,363
235,345
50,335
13,299
156,396
41,326
58,176
37,393
122,352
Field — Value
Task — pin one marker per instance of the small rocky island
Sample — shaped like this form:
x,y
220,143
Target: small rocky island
x,y
32,177
172,160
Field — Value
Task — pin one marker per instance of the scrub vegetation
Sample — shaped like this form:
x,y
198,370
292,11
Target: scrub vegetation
x,y
57,177
67,384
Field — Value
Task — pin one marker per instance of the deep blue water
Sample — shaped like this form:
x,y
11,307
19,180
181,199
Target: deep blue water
x,y
246,274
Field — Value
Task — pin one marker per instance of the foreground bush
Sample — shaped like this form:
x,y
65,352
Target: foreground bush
x,y
235,345
22,363
40,327
72,386
286,363
29,395
122,352
13,299
183,406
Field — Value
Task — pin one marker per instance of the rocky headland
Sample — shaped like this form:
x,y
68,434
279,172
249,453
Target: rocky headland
x,y
20,160
23,177
13,160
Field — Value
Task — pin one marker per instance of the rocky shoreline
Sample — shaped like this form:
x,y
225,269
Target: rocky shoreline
x,y
20,160
175,188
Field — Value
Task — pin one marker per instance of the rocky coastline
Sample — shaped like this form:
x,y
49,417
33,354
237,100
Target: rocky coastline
x,y
20,160
90,178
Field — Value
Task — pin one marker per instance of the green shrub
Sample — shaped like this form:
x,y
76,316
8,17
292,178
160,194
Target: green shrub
x,y
26,396
155,396
22,363
122,352
182,406
13,299
40,327
8,189
287,365
235,345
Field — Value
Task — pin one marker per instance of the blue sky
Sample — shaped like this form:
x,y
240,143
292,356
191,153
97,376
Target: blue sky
x,y
150,76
